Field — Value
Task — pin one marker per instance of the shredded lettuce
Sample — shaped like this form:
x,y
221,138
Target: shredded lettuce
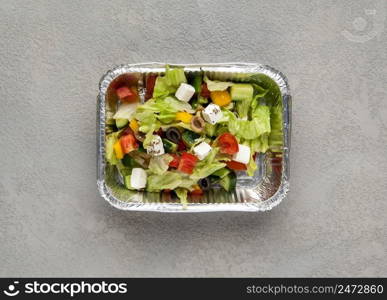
x,y
178,124
169,180
168,84
149,136
182,194
164,109
111,139
243,107
215,85
260,123
207,166
159,164
125,111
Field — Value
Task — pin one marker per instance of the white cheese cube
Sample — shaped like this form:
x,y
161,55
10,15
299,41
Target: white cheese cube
x,y
138,178
156,146
185,92
202,150
212,113
243,155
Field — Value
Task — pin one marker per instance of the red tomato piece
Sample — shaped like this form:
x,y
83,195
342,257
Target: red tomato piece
x,y
228,144
175,162
204,91
128,143
187,163
197,192
127,94
127,131
237,166
150,85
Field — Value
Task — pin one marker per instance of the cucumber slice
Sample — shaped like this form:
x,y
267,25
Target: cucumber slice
x,y
222,172
120,123
242,91
228,182
189,137
129,162
210,129
197,83
169,146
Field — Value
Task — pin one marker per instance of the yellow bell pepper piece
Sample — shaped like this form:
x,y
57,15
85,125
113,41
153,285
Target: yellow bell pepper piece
x,y
184,117
221,98
118,150
196,187
134,125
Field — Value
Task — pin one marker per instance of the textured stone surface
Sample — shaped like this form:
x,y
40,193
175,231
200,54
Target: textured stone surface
x,y
52,220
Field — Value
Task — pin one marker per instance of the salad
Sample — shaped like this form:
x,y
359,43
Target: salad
x,y
191,133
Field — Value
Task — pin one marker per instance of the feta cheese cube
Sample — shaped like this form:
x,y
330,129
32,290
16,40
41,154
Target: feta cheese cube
x,y
212,113
156,146
185,92
243,155
138,178
202,150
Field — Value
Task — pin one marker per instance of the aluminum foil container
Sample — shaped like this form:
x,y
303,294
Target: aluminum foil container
x,y
265,190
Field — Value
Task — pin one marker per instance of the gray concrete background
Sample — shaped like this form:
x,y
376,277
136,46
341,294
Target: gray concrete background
x,y
52,220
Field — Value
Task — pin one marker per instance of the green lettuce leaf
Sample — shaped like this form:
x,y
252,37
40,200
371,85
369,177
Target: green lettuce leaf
x,y
215,85
178,124
246,129
207,166
243,107
169,180
159,164
168,84
125,111
182,194
163,109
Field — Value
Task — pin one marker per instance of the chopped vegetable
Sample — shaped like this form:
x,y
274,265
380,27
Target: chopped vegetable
x,y
242,92
237,166
187,163
169,180
197,124
173,134
118,150
120,123
125,111
128,143
228,182
184,117
133,124
204,92
169,146
127,94
221,98
174,163
168,84
217,85
197,83
228,143
150,85
111,158
159,164
189,138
